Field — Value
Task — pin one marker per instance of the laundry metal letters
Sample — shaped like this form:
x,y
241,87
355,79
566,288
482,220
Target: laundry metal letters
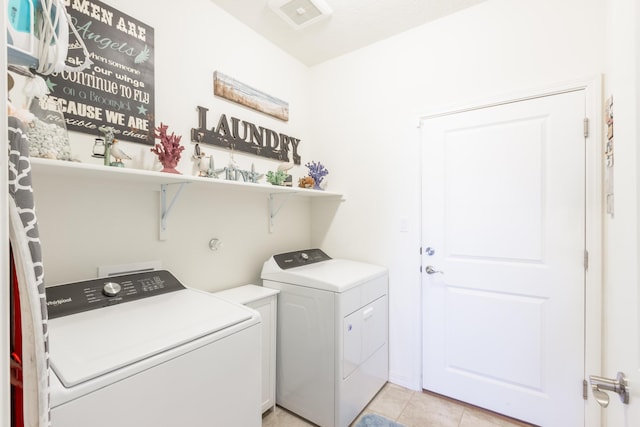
x,y
244,136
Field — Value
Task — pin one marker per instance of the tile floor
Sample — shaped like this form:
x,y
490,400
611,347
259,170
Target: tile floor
x,y
412,409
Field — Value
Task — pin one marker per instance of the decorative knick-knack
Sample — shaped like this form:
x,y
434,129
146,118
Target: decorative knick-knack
x,y
317,171
168,150
276,178
118,154
108,132
306,182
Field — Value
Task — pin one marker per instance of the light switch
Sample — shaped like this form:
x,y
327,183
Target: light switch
x,y
404,224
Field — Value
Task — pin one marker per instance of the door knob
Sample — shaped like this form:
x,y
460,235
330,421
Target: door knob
x,y
431,270
600,385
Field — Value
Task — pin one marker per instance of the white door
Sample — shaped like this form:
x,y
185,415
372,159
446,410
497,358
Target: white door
x,y
503,193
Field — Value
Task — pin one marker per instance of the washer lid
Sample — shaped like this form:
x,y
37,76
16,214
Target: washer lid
x,y
335,275
92,343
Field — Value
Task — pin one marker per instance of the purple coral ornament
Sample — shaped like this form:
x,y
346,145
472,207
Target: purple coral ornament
x,y
168,150
317,171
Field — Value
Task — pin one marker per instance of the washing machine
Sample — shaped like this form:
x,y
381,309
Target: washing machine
x,y
144,350
332,334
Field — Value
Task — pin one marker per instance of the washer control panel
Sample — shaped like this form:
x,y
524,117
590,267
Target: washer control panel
x,y
300,258
88,295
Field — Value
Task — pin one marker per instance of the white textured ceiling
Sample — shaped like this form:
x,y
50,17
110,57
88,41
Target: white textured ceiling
x,y
353,24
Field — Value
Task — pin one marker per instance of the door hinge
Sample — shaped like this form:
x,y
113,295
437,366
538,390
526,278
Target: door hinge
x,y
586,127
586,260
585,389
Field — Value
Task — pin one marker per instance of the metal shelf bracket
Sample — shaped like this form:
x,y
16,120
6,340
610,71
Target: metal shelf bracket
x,y
164,209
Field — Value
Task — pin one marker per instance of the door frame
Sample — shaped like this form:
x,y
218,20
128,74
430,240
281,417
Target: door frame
x,y
592,87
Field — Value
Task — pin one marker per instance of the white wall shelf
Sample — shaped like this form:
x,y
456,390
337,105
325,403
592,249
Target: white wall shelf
x,y
160,181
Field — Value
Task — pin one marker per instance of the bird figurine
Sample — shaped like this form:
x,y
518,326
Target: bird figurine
x,y
202,163
283,167
118,154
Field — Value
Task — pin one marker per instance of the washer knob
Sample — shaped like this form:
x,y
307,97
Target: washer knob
x,y
304,256
111,289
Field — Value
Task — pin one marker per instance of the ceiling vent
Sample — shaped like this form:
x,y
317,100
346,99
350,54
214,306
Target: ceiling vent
x,y
301,13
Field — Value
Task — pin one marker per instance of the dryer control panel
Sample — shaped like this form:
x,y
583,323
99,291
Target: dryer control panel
x,y
300,258
87,295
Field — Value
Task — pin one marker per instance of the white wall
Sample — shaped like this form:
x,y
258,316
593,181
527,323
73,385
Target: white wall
x,y
367,106
87,223
621,292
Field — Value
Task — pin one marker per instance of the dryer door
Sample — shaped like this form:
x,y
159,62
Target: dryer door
x,y
363,332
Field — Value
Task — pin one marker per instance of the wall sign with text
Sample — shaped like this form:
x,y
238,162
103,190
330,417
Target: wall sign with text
x,y
241,135
118,89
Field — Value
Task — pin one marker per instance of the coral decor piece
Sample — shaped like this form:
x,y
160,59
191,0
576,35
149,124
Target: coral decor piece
x,y
317,171
276,178
306,182
168,150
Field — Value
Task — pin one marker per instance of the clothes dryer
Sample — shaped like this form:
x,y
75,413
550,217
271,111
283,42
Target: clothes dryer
x,y
144,350
332,334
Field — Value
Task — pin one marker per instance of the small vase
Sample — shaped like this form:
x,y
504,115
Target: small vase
x,y
169,166
316,182
169,169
